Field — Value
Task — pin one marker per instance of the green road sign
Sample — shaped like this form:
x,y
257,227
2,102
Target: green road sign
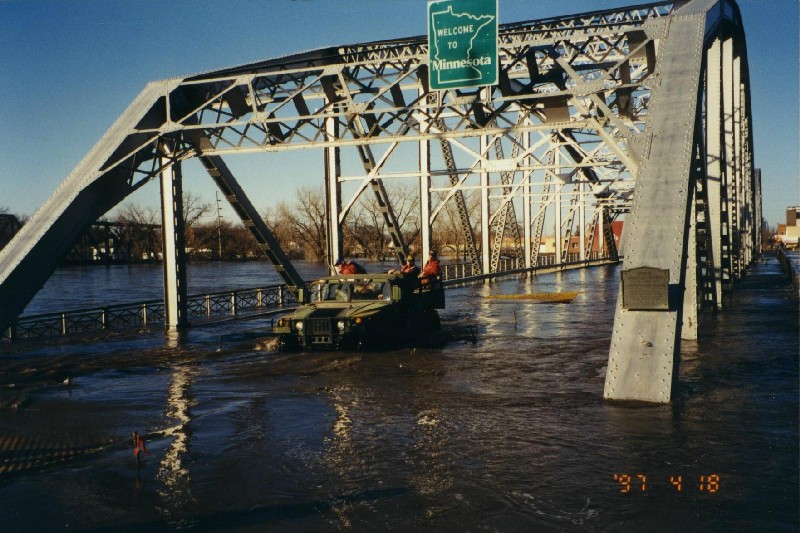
x,y
462,43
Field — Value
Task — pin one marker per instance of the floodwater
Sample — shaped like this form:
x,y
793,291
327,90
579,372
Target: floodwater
x,y
502,429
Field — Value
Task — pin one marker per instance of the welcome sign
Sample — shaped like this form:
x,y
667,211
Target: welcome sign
x,y
462,43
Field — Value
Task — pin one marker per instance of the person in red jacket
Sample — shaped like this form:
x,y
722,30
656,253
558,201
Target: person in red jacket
x,y
138,448
410,269
348,267
431,269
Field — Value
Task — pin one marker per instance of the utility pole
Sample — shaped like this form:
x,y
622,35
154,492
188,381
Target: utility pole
x,y
219,228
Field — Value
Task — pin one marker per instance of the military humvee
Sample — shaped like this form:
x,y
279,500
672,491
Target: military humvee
x,y
362,311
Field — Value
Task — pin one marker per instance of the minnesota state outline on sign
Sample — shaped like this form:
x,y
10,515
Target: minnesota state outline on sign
x,y
463,47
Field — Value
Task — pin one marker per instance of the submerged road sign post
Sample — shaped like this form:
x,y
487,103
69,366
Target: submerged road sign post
x,y
462,43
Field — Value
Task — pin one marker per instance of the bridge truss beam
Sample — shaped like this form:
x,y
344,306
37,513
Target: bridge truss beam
x,y
695,196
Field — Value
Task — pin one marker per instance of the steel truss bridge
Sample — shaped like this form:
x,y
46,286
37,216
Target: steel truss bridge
x,y
642,111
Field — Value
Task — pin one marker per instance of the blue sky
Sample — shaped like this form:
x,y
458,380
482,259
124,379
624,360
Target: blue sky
x,y
70,67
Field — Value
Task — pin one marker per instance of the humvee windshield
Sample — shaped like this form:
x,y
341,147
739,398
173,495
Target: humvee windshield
x,y
351,290
331,292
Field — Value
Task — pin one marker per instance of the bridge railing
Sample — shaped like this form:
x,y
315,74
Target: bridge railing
x,y
204,307
216,305
790,263
512,265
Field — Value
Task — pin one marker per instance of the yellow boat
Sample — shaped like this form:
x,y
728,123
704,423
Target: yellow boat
x,y
538,297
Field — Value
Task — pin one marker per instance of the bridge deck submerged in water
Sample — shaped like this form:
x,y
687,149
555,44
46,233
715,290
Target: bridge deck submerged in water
x,y
243,303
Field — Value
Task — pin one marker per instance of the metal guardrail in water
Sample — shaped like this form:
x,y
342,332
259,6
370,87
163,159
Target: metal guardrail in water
x,y
791,265
207,307
142,315
466,271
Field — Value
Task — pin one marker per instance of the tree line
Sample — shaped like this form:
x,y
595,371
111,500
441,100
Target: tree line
x,y
299,225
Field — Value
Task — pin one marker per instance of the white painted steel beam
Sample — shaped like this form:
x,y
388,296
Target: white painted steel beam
x,y
661,230
741,196
484,199
557,205
645,344
333,191
729,176
173,235
582,223
714,158
527,206
424,158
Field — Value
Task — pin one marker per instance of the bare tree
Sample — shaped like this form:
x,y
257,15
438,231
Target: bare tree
x,y
9,226
448,235
283,231
306,218
140,232
368,229
240,243
365,230
405,202
194,209
5,210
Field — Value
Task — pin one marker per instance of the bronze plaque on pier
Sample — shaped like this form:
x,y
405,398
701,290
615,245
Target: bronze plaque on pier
x,y
645,288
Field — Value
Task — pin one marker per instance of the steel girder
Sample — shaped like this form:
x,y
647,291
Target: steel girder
x,y
695,197
174,234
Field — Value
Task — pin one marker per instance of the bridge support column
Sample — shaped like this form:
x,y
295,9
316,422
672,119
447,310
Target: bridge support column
x,y
645,342
334,192
740,221
714,159
559,185
527,204
173,236
689,326
424,184
486,228
582,192
729,158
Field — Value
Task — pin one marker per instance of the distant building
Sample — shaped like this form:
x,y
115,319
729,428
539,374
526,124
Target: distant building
x,y
548,244
787,234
